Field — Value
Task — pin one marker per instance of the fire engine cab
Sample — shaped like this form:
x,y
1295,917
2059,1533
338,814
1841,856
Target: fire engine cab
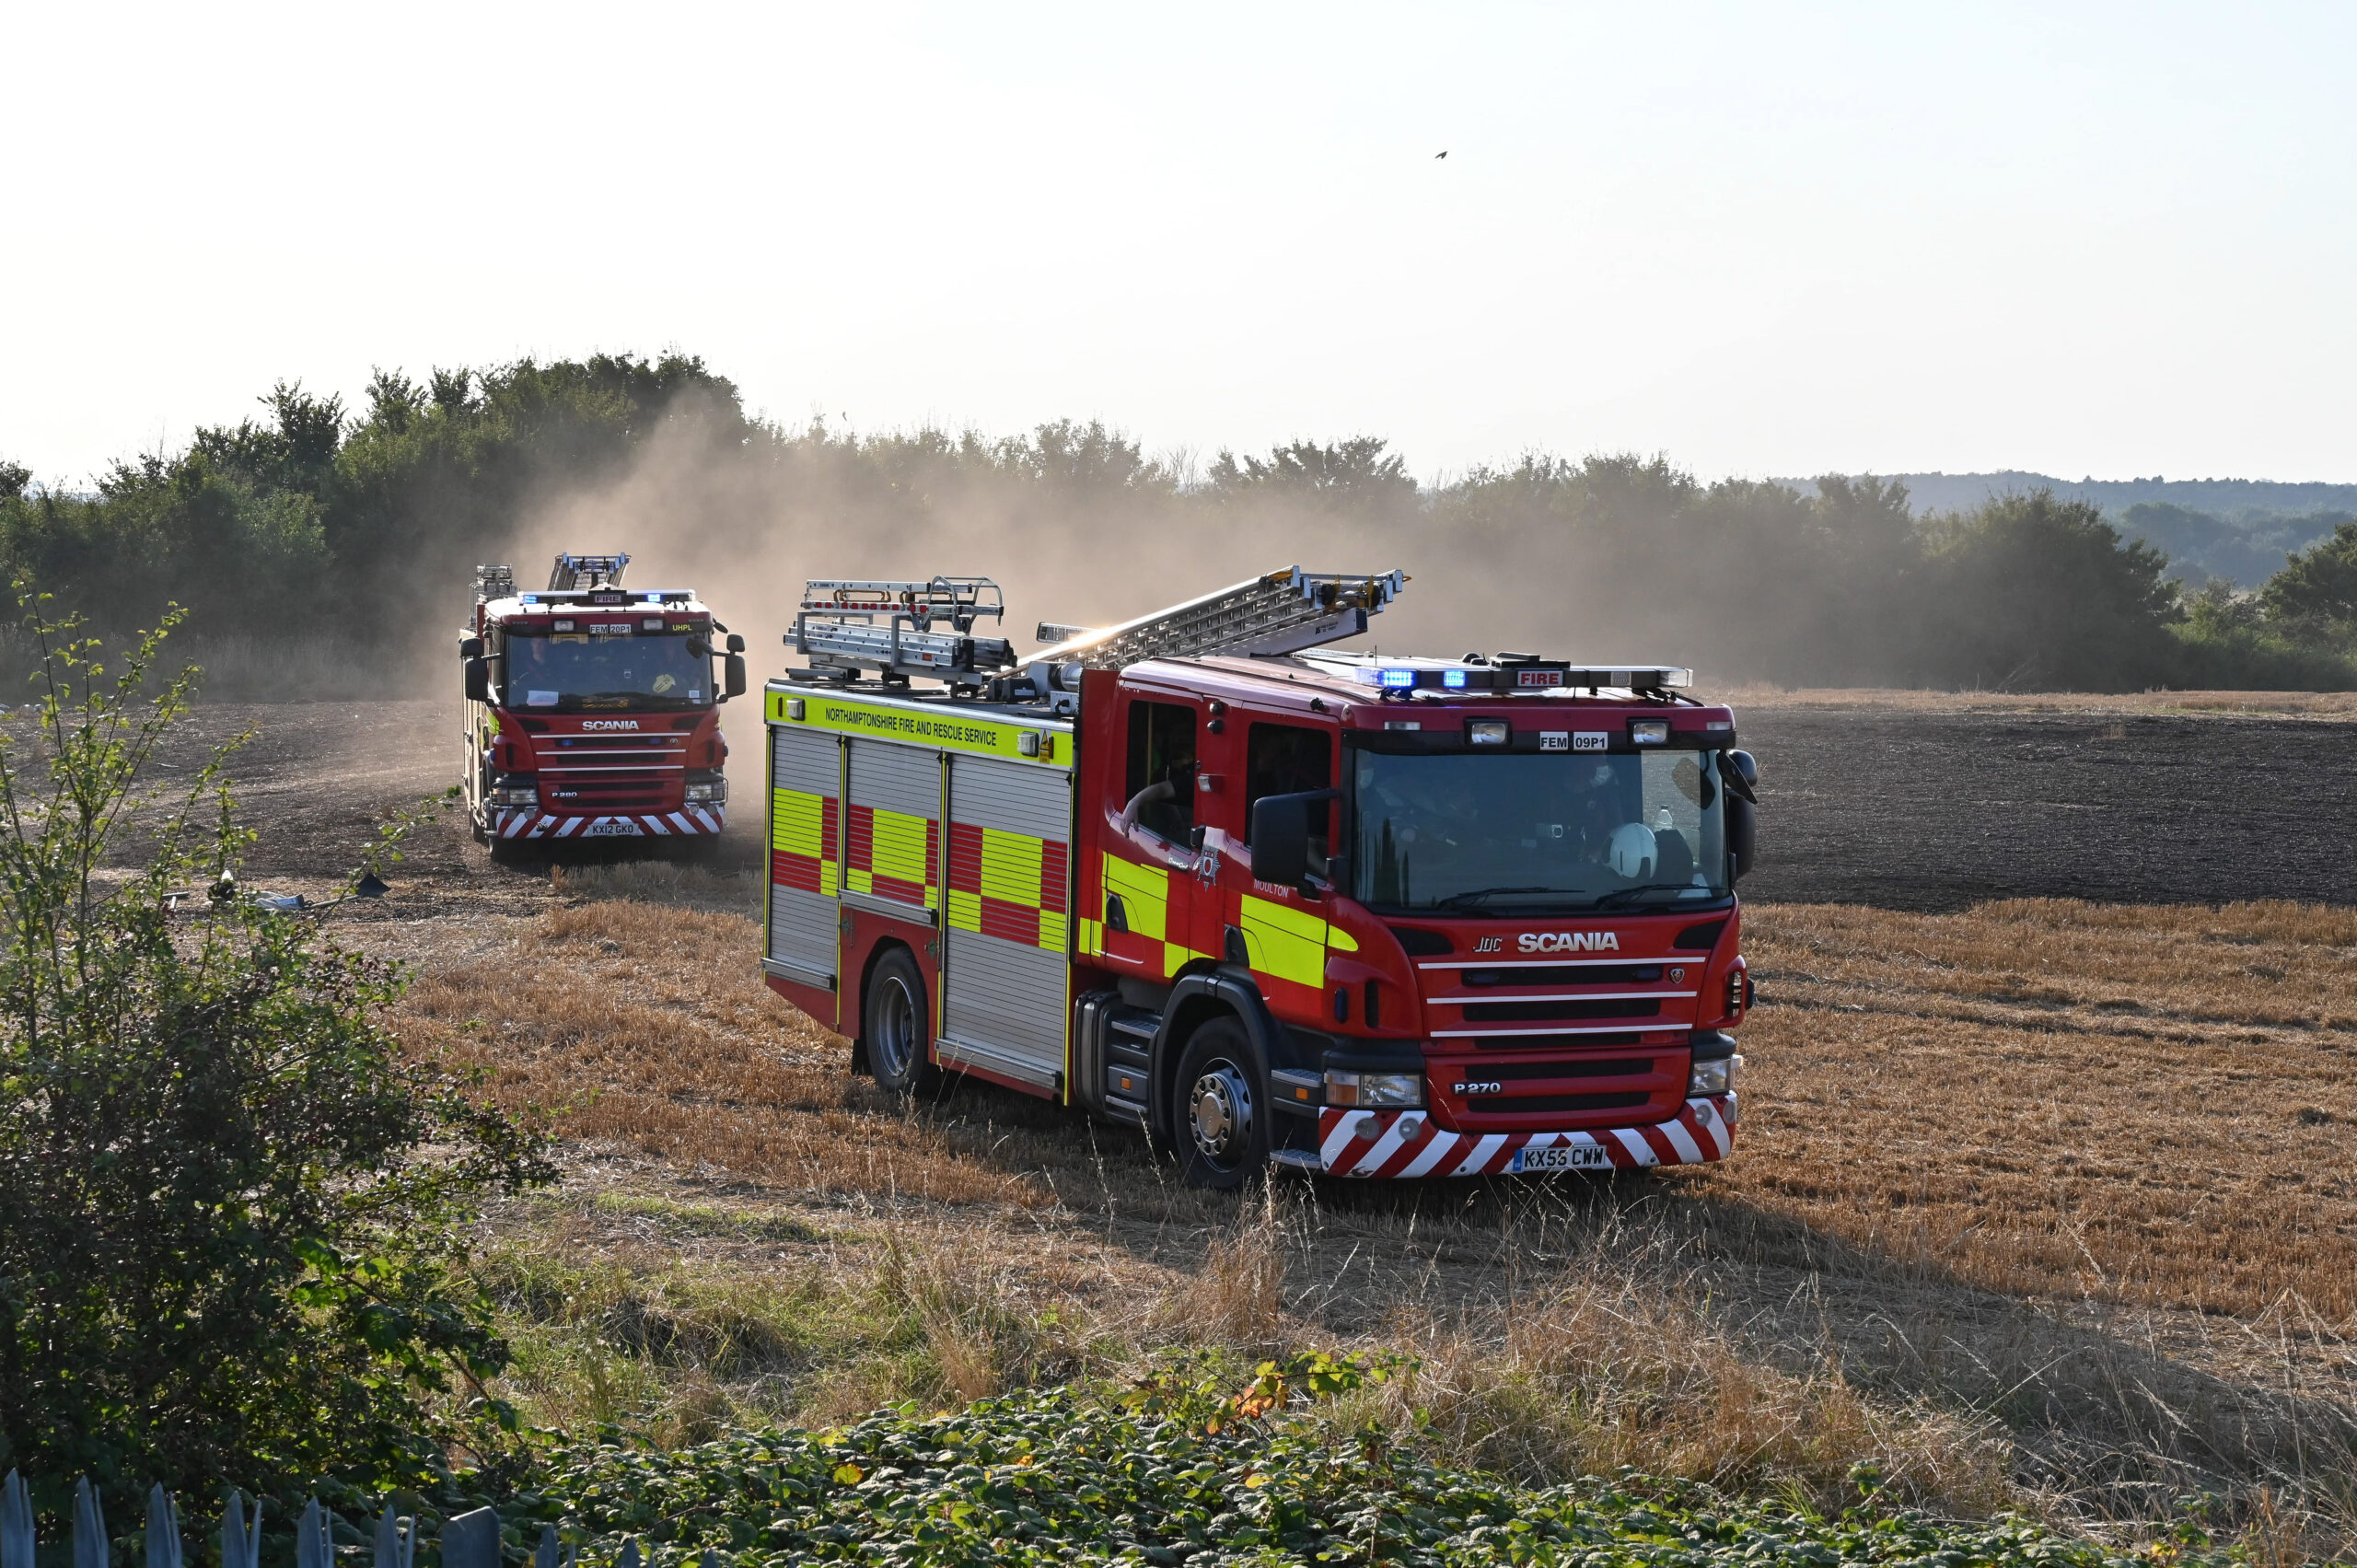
x,y
1271,904
592,710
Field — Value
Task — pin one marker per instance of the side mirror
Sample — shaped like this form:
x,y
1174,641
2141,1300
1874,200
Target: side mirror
x,y
478,679
735,643
734,674
1741,772
471,647
1281,836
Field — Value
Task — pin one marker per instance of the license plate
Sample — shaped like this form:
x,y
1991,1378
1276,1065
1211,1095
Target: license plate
x,y
624,828
1561,1157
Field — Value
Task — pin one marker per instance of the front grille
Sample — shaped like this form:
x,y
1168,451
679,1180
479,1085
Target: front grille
x,y
603,792
615,742
1556,1042
1612,1067
1597,974
1530,1105
1556,1012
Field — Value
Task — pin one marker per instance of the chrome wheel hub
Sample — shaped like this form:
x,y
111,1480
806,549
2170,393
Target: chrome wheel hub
x,y
1222,1106
895,1031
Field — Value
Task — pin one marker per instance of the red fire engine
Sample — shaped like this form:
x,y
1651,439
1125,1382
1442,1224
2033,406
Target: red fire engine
x,y
1367,915
591,710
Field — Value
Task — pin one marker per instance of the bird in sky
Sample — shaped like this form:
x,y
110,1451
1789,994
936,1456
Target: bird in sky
x,y
1443,153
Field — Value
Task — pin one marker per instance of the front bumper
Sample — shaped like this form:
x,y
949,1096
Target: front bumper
x,y
1370,1142
531,822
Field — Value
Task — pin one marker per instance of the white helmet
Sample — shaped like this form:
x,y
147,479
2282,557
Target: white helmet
x,y
1633,853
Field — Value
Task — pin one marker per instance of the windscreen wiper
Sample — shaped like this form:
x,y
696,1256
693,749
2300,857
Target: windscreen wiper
x,y
1626,895
1483,895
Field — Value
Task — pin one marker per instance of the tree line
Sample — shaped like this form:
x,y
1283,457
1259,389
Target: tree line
x,y
362,524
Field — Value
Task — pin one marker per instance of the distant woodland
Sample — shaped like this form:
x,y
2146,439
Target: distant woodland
x,y
316,527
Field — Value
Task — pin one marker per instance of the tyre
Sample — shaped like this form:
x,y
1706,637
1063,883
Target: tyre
x,y
505,851
894,1026
1223,1107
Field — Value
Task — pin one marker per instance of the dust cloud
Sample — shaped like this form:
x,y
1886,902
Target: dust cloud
x,y
747,525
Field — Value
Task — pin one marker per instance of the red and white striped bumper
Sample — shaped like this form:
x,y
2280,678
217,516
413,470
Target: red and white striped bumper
x,y
1374,1143
692,821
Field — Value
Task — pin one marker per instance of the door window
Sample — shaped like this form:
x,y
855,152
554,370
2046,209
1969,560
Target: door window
x,y
1160,786
1289,759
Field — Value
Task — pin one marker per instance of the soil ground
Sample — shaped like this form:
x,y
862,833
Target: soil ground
x,y
2043,1198
1903,802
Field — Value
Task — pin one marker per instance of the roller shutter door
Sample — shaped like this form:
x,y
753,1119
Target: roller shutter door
x,y
806,853
1007,979
892,836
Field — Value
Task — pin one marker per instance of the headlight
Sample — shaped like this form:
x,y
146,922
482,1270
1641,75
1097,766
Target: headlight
x,y
714,792
1712,1077
1374,1088
515,790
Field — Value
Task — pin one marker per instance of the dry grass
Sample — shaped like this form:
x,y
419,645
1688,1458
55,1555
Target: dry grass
x,y
2331,705
2025,1208
2132,1105
640,1024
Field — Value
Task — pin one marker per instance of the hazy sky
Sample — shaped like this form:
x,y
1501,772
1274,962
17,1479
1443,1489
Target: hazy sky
x,y
2107,239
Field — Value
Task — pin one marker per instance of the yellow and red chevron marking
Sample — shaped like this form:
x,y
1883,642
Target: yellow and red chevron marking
x,y
891,855
1007,885
802,841
1371,1143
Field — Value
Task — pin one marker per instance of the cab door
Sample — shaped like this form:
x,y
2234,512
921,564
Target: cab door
x,y
1283,933
1148,924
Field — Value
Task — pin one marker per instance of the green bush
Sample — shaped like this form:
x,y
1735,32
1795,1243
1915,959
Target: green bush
x,y
228,1209
1072,1477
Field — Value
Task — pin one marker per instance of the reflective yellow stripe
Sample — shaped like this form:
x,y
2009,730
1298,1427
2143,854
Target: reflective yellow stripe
x,y
1285,942
898,850
1145,892
1011,868
965,910
1341,940
1052,931
1092,938
798,823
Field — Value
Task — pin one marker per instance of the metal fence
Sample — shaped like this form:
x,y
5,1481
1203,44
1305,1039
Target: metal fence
x,y
467,1540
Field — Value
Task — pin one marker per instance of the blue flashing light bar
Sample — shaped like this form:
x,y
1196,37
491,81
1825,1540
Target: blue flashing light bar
x,y
529,598
1453,679
1399,678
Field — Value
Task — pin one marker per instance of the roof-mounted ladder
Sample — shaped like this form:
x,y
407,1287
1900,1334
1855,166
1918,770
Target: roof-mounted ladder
x,y
1279,612
849,639
602,572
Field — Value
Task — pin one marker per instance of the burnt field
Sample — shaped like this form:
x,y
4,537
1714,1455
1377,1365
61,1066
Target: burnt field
x,y
1926,808
1918,804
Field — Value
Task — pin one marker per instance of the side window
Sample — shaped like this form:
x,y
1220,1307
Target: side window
x,y
1160,788
1286,758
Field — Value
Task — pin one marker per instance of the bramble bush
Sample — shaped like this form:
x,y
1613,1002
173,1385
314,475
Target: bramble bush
x,y
229,1210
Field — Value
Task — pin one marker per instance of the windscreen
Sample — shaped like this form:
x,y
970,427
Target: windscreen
x,y
1519,832
573,672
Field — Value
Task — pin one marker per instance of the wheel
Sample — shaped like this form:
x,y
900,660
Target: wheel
x,y
893,1026
505,851
1223,1118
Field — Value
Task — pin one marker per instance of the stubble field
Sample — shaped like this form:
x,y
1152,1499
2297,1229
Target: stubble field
x,y
2038,1200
